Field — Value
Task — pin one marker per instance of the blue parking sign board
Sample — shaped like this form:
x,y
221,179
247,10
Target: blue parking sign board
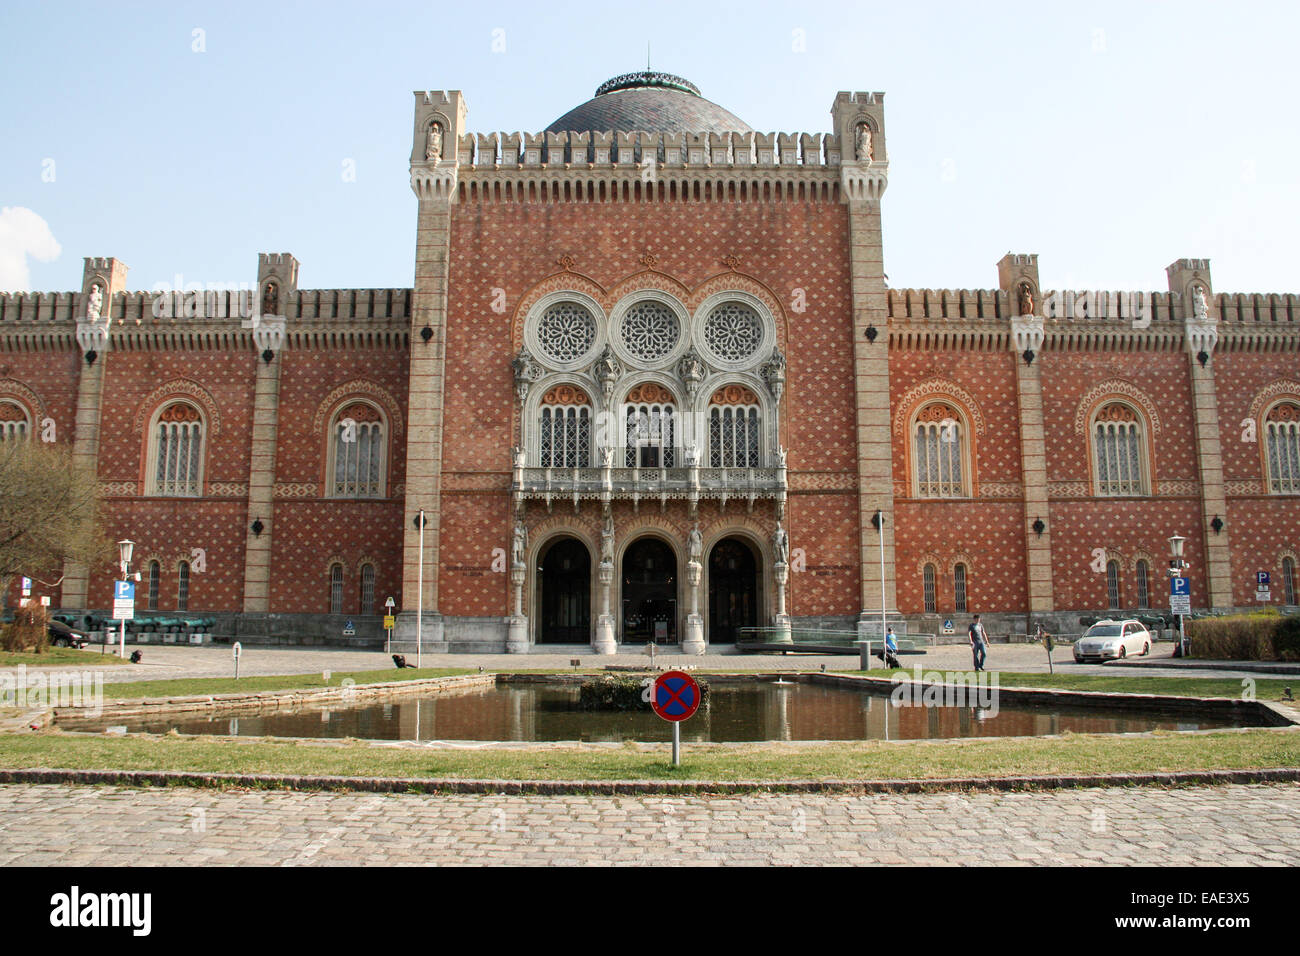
x,y
1180,587
124,591
1262,579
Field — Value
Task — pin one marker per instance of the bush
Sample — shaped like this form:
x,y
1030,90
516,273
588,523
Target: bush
x,y
28,631
622,692
1258,636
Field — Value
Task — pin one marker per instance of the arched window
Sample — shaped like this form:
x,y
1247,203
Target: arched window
x,y
1288,580
367,589
1119,451
336,588
1282,444
155,577
927,579
734,420
1112,585
359,452
177,453
649,418
565,439
15,423
959,587
939,452
183,587
1144,589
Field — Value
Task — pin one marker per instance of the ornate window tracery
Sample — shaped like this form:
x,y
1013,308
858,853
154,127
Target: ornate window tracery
x,y
650,330
566,332
177,451
358,439
733,332
939,452
565,437
1118,448
1282,444
649,420
734,423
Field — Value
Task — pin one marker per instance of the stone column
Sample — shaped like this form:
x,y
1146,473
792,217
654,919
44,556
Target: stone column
x,y
517,622
1018,280
1189,280
694,640
863,179
605,642
781,621
434,176
93,325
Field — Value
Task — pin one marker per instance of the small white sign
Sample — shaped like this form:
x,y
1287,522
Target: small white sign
x,y
238,649
1263,595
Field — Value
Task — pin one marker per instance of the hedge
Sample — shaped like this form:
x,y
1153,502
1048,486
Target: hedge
x,y
1259,636
622,692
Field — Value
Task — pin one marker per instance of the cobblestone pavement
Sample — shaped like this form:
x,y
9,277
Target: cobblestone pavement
x,y
60,825
162,662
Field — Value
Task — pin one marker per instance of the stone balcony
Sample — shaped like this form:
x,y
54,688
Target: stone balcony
x,y
692,484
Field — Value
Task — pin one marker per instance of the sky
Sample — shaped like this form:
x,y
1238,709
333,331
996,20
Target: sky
x,y
1109,138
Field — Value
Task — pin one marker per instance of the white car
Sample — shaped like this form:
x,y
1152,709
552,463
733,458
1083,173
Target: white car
x,y
1111,640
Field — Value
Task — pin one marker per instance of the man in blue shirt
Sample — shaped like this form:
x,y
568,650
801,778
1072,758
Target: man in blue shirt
x,y
978,642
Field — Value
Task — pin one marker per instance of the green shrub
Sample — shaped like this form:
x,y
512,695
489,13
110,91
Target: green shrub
x,y
1257,636
621,692
28,631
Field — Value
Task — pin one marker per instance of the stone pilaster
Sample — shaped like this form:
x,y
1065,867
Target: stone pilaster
x,y
1018,278
859,118
280,274
433,179
1189,281
94,312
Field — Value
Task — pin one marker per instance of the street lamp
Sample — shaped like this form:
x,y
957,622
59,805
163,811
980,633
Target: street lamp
x,y
125,547
1176,566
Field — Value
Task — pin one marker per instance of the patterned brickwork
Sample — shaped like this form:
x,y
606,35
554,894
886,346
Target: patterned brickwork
x,y
984,535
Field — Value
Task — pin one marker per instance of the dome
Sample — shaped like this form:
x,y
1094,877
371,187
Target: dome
x,y
653,102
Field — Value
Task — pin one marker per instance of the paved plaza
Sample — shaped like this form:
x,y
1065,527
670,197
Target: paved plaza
x,y
59,825
164,662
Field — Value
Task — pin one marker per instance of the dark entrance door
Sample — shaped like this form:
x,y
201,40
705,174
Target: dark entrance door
x,y
649,593
566,593
733,590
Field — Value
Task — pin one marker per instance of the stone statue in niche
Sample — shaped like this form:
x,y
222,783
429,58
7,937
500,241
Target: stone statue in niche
x,y
1200,305
433,144
607,372
519,546
695,544
607,457
520,457
774,374
862,145
780,456
607,543
96,303
526,372
781,545
1026,298
271,299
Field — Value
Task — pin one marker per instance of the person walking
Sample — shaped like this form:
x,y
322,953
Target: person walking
x,y
978,642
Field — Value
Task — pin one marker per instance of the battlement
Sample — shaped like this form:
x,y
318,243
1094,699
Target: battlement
x,y
1240,308
860,99
274,259
435,98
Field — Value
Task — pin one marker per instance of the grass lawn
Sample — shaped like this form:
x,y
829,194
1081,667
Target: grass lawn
x,y
1125,683
1069,754
65,656
191,686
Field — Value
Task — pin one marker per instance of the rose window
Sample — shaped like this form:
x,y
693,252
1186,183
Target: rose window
x,y
566,332
733,332
650,331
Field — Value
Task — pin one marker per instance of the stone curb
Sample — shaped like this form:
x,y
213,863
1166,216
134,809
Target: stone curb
x,y
173,778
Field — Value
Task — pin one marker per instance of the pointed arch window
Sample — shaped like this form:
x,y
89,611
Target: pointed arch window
x,y
939,452
1119,451
176,466
649,418
1282,446
734,422
358,455
565,435
1112,585
15,422
927,582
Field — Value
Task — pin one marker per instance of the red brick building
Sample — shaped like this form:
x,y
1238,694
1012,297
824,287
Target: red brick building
x,y
650,384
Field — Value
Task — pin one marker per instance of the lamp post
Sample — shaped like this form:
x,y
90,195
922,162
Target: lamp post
x,y
419,605
1176,566
125,547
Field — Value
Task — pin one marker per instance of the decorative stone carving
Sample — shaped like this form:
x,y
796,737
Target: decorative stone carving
x,y
1200,305
781,545
691,371
774,374
433,145
780,456
96,303
607,543
650,330
695,544
607,371
271,299
526,372
566,332
862,145
1025,294
519,546
733,332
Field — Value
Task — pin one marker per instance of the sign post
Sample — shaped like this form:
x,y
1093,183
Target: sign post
x,y
1180,603
238,650
1262,593
675,696
123,610
389,623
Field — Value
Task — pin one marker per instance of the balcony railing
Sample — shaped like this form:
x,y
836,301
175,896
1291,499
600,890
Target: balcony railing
x,y
691,483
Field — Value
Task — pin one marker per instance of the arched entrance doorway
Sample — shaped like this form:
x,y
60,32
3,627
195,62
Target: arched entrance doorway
x,y
564,569
733,590
649,593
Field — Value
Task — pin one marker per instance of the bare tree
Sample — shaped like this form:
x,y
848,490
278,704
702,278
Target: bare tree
x,y
49,513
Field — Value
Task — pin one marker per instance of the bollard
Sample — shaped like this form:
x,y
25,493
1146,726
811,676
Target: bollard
x,y
864,655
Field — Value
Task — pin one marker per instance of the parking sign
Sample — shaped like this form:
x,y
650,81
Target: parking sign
x,y
1180,595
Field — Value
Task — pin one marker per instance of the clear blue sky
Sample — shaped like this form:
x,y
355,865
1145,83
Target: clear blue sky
x,y
1110,138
